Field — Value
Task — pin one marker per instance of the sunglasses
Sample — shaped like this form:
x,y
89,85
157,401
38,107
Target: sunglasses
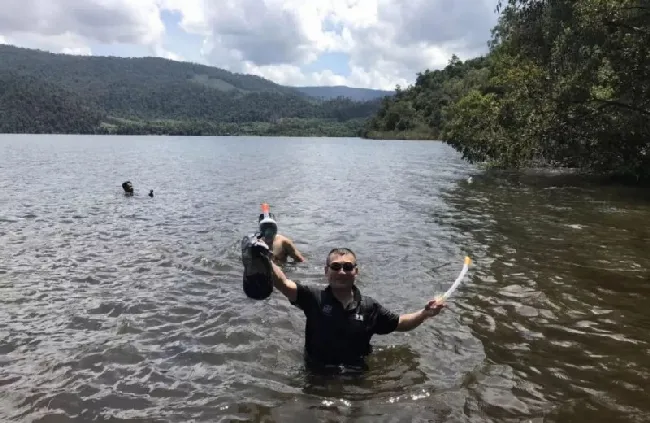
x,y
347,266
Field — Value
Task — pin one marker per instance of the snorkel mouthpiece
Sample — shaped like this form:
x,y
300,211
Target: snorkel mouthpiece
x,y
268,225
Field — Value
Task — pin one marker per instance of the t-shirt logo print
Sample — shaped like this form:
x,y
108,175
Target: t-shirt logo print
x,y
327,309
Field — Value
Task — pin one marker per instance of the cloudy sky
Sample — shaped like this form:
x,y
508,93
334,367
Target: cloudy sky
x,y
360,43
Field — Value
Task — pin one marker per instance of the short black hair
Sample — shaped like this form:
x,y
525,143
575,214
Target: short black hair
x,y
340,252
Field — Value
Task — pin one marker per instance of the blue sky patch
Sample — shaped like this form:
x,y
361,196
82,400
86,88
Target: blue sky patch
x,y
336,62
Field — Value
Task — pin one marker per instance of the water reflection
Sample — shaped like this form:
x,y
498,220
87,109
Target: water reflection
x,y
558,295
119,309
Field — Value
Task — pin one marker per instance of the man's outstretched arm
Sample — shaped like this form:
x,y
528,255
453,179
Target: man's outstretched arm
x,y
410,321
387,321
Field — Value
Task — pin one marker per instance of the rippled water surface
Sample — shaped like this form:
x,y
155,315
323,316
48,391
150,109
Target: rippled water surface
x,y
131,309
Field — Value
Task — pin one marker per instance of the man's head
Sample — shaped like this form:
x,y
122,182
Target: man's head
x,y
127,187
268,226
341,268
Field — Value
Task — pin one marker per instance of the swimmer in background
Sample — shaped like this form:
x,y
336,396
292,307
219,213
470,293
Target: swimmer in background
x,y
129,191
281,246
128,188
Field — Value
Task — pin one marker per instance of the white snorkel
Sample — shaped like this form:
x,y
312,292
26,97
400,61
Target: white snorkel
x,y
442,298
457,282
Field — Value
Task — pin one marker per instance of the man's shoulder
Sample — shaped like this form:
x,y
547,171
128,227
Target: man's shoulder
x,y
311,287
279,239
283,239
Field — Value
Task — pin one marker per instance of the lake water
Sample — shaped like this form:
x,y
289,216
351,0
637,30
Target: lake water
x,y
131,309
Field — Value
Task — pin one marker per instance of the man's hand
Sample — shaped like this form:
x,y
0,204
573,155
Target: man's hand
x,y
410,321
433,307
260,247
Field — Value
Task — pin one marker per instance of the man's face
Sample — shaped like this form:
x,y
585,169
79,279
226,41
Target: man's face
x,y
342,270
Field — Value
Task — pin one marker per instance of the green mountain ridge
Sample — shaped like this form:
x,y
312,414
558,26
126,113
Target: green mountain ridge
x,y
160,96
334,91
55,109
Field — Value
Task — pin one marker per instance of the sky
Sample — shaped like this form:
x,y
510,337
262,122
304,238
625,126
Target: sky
x,y
359,43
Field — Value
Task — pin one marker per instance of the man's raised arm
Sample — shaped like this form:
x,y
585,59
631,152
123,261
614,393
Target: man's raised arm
x,y
283,284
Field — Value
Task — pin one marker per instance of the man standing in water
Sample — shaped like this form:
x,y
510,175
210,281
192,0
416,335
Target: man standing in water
x,y
281,246
340,320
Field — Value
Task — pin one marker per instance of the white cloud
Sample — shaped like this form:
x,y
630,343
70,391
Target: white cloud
x,y
77,51
65,42
387,41
60,23
192,14
160,51
285,74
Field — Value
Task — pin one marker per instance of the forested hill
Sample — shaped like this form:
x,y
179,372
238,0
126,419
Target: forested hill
x,y
28,104
566,83
419,111
154,95
357,94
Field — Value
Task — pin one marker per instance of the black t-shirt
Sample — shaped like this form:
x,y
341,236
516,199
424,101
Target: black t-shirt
x,y
338,336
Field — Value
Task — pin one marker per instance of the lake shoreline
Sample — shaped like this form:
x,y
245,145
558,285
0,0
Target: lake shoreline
x,y
299,127
401,135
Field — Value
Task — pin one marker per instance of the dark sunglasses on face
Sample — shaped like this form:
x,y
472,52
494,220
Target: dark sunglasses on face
x,y
347,266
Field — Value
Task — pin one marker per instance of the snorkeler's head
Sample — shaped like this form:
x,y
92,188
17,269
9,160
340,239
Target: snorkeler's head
x,y
267,223
127,187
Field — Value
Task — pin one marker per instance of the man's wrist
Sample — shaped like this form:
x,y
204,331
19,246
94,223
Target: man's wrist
x,y
277,271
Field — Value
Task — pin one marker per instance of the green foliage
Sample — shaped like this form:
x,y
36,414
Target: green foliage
x,y
55,93
30,105
281,127
422,108
358,94
566,84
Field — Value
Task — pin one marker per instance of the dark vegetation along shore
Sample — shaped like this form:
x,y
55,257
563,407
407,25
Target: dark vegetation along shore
x,y
566,83
43,92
